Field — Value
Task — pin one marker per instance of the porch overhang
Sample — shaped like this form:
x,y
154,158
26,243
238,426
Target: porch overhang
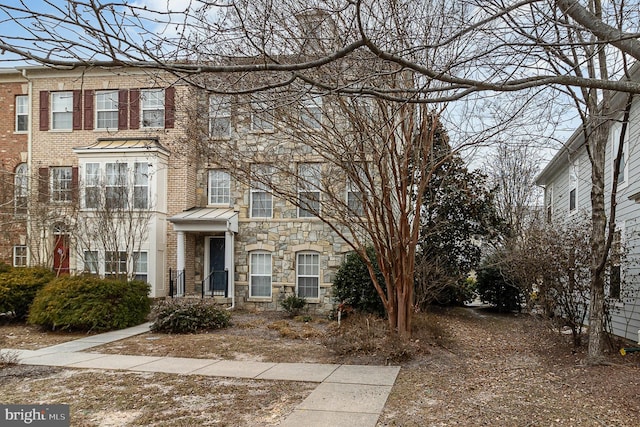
x,y
206,219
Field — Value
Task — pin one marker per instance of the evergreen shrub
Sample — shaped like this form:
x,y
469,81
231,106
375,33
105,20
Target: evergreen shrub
x,y
353,285
184,315
18,288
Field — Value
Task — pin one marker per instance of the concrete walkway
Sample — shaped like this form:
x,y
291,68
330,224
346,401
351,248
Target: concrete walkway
x,y
347,395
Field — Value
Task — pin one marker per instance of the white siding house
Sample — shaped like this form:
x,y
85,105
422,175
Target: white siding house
x,y
567,184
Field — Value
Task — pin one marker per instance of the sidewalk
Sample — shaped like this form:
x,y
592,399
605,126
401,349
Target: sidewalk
x,y
347,395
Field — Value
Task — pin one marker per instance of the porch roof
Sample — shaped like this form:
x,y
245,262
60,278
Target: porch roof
x,y
206,219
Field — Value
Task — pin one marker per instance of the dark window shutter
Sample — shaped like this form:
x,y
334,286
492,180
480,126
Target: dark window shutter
x,y
77,110
169,107
88,109
74,184
44,110
134,109
123,111
43,184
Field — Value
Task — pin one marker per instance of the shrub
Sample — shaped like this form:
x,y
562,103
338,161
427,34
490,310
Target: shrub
x,y
18,288
494,288
182,316
89,303
353,285
293,305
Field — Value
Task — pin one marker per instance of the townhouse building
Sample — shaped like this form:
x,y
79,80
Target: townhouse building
x,y
119,183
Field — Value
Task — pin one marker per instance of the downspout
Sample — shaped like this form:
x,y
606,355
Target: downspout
x,y
29,157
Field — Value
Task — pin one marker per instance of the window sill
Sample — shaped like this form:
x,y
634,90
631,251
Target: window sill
x,y
61,130
262,131
20,132
312,300
260,299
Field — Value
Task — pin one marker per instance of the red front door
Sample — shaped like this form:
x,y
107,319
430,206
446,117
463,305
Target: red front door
x,y
61,253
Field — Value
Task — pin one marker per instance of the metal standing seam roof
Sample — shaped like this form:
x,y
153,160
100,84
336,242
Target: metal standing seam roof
x,y
203,216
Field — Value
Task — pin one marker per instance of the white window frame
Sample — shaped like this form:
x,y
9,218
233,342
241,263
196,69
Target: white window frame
x,y
62,111
140,191
141,266
311,113
20,256
115,267
218,187
116,177
263,270
307,270
573,188
22,112
549,203
260,190
106,106
309,182
219,117
91,262
623,178
61,184
152,106
21,188
92,186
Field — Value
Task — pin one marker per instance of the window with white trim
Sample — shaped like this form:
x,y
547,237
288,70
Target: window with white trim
x,y
140,266
61,110
152,108
219,187
261,117
21,188
260,274
116,195
261,199
20,256
309,182
623,173
311,112
355,195
91,263
107,109
115,264
140,185
22,113
573,187
61,184
219,116
308,275
92,187
549,202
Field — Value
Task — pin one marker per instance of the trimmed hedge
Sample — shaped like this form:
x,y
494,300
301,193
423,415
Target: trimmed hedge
x,y
19,286
184,315
88,303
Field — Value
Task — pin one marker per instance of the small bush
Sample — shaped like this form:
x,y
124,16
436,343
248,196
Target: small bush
x,y
353,286
182,316
18,288
89,303
293,305
494,288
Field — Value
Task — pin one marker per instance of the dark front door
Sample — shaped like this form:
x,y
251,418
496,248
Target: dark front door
x,y
217,273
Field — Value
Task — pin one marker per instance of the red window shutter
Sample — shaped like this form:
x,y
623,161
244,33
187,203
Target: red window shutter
x,y
169,107
134,109
74,184
77,110
43,184
44,110
123,110
88,109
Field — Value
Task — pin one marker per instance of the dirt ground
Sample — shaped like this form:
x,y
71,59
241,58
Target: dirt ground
x,y
463,367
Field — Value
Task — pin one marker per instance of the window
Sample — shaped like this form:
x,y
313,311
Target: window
x,y
61,184
219,117
20,256
308,275
152,108
260,275
261,200
549,203
219,188
91,264
116,196
573,187
615,274
21,188
107,109
616,130
140,266
261,117
115,264
308,189
311,112
92,186
62,110
140,185
22,113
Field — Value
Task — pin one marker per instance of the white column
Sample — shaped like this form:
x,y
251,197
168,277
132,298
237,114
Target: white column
x,y
229,263
180,262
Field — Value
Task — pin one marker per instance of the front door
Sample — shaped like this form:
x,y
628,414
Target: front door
x,y
217,273
60,250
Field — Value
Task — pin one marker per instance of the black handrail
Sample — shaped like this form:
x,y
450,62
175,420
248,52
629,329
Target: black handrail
x,y
216,283
176,283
